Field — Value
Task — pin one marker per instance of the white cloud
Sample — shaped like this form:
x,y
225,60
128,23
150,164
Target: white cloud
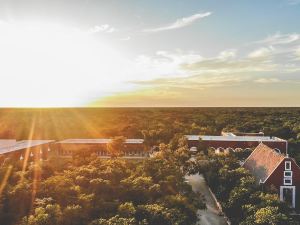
x,y
105,28
182,22
297,53
266,59
195,81
189,76
180,57
186,69
278,39
164,64
262,52
227,54
267,80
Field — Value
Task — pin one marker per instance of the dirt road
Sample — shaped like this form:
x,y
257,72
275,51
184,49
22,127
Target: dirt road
x,y
210,216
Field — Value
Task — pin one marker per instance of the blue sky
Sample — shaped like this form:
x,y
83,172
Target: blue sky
x,y
150,53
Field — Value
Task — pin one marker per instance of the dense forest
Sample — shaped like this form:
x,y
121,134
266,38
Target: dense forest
x,y
92,191
157,125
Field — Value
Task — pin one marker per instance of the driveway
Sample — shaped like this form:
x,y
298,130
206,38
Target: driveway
x,y
210,216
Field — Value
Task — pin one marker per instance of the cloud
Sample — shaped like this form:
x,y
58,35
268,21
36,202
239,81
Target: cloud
x,y
227,54
267,80
230,66
183,22
262,52
105,28
262,60
190,69
251,76
297,53
187,74
293,2
164,64
194,82
175,91
279,39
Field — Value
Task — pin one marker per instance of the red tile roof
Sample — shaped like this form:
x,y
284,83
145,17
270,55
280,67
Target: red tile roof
x,y
262,162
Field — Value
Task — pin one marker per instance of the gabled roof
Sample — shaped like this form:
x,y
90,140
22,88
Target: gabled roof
x,y
262,162
7,142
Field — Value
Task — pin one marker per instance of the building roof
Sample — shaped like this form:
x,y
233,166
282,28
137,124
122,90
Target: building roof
x,y
99,141
24,144
241,134
234,138
262,162
7,142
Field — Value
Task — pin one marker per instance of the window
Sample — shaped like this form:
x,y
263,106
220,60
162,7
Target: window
x,y
277,150
287,181
288,173
288,165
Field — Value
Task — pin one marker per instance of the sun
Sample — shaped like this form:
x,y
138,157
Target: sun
x,y
50,65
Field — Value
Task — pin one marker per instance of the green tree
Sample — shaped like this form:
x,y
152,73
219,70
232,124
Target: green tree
x,y
116,220
73,215
116,146
49,215
127,209
270,216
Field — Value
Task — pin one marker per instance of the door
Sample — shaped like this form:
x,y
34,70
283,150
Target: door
x,y
288,195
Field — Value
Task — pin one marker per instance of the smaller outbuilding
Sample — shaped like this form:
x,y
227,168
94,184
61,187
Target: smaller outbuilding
x,y
272,168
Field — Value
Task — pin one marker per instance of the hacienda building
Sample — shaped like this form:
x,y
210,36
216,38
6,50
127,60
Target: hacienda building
x,y
132,148
271,168
136,147
235,142
40,149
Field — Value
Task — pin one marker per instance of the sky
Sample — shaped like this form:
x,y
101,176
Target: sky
x,y
128,53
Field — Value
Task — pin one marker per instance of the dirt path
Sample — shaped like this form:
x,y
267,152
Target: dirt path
x,y
210,216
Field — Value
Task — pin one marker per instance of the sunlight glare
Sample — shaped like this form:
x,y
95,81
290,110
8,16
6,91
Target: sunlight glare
x,y
45,65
